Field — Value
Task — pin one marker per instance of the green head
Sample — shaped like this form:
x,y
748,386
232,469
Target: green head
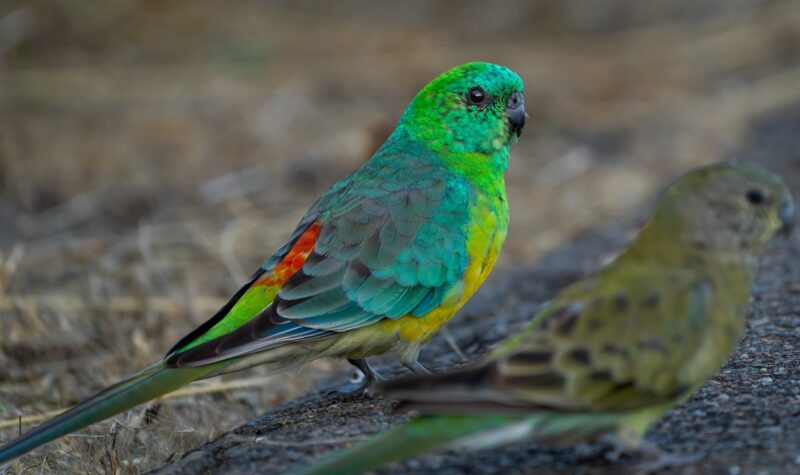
x,y
475,108
729,206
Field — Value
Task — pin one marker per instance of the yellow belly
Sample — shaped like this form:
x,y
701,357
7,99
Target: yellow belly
x,y
405,335
486,237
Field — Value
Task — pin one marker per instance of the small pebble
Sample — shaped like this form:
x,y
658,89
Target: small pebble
x,y
765,381
772,430
735,470
723,397
744,398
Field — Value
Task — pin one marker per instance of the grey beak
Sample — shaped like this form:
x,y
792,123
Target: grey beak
x,y
515,111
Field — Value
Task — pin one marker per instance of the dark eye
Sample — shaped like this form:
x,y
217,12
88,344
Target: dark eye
x,y
755,196
477,96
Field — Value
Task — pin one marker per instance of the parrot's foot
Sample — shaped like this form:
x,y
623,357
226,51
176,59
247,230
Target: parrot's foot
x,y
417,368
350,391
368,374
608,448
359,385
654,459
657,459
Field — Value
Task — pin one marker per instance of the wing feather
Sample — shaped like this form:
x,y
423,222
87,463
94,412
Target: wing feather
x,y
377,255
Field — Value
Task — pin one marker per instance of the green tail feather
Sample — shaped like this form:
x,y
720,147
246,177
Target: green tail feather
x,y
420,435
153,381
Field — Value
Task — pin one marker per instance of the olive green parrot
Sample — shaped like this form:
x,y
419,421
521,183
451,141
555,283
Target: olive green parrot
x,y
615,351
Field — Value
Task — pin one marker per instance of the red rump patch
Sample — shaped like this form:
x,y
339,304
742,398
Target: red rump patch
x,y
293,260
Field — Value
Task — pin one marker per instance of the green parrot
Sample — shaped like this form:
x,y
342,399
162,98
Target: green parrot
x,y
615,351
378,264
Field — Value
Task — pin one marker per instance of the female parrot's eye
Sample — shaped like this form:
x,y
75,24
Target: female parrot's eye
x,y
477,96
755,196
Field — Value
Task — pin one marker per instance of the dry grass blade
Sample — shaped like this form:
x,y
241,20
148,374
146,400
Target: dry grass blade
x,y
121,304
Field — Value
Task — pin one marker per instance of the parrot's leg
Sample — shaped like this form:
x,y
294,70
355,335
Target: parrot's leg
x,y
370,375
359,386
417,368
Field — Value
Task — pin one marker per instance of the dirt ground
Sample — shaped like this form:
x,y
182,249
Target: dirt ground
x,y
153,153
745,420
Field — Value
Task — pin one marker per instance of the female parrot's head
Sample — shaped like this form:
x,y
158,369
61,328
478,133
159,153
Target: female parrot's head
x,y
728,206
473,108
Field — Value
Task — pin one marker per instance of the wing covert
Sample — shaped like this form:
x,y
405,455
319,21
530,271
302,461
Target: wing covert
x,y
381,252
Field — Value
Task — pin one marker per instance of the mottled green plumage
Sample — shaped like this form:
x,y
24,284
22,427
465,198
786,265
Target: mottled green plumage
x,y
378,264
613,352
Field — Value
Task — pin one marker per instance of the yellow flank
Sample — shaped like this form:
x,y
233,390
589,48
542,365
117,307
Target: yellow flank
x,y
486,235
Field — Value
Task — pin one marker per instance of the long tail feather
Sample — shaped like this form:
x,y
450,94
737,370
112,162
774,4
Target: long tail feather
x,y
420,435
153,381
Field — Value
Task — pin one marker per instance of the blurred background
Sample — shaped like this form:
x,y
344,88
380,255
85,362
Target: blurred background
x,y
153,153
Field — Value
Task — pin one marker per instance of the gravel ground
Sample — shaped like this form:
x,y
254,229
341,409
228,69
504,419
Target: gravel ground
x,y
743,421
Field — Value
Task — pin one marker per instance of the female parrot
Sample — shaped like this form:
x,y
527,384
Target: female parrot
x,y
615,351
378,264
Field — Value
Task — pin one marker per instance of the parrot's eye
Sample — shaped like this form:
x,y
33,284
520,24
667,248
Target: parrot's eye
x,y
477,96
755,197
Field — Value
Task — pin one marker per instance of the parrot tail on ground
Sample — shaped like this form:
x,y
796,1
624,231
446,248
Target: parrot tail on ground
x,y
152,382
401,442
474,431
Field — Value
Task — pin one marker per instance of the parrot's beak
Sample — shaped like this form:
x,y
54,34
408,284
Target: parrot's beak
x,y
515,111
787,215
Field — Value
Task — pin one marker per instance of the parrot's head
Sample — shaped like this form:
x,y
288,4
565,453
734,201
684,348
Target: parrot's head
x,y
475,108
729,206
